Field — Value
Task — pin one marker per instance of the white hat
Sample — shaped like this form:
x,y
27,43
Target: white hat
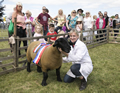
x,y
79,19
19,3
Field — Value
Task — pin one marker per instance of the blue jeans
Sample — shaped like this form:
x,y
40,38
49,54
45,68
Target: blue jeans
x,y
45,33
75,70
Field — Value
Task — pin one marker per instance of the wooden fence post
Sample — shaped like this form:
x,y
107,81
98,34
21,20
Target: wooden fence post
x,y
15,46
108,35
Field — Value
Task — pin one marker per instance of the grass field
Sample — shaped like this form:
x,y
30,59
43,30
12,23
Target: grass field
x,y
105,77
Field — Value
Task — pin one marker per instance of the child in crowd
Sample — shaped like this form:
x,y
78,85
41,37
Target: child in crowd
x,y
39,32
79,25
51,32
94,22
60,32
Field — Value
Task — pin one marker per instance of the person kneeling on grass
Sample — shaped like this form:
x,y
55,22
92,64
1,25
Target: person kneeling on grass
x,y
81,61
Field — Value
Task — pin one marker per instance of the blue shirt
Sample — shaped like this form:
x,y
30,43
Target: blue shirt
x,y
72,22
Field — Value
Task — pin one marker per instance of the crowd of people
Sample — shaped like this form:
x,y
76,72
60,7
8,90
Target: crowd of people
x,y
44,25
76,20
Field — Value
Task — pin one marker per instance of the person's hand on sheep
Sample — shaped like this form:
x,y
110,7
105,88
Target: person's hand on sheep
x,y
66,54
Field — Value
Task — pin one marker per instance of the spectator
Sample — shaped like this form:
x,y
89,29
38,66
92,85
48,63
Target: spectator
x,y
88,25
51,32
100,24
61,19
43,17
60,32
106,19
21,27
80,14
29,24
111,22
38,33
99,13
71,21
106,22
79,25
94,21
47,11
81,61
116,25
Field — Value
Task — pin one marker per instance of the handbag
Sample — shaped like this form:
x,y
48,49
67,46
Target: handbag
x,y
11,28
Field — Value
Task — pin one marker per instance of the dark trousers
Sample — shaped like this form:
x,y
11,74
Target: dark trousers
x,y
116,31
75,70
22,34
99,36
45,32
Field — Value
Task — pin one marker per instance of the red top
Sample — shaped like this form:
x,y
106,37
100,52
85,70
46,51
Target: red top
x,y
52,38
97,23
44,20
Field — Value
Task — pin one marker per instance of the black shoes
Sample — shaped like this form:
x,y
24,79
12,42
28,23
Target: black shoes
x,y
83,84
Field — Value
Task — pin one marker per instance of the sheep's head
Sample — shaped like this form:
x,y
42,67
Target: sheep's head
x,y
63,44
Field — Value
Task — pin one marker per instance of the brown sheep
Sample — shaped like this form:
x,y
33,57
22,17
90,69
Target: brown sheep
x,y
50,59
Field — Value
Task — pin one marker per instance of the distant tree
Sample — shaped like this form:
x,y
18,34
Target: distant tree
x,y
1,10
112,16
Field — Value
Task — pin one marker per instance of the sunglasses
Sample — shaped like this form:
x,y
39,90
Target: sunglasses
x,y
26,13
44,9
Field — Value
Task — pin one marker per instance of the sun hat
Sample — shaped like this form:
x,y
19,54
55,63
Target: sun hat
x,y
79,19
19,3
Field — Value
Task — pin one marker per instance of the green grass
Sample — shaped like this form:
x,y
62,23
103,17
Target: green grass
x,y
3,33
105,77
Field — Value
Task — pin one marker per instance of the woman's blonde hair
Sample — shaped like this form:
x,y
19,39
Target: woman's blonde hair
x,y
74,31
29,12
89,14
95,16
41,29
73,11
59,12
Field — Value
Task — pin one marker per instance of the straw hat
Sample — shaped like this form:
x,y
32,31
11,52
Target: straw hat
x,y
79,19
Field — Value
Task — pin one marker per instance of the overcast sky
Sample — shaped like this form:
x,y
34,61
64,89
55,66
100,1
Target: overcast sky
x,y
35,6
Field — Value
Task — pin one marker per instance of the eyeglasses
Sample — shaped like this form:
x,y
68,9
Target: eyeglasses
x,y
44,9
74,12
26,13
101,15
105,14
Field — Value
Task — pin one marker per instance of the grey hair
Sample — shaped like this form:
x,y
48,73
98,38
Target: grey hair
x,y
74,30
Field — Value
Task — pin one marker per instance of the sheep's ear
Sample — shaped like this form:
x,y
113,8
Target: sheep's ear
x,y
56,42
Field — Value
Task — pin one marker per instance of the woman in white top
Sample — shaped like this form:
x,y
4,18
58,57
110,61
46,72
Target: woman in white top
x,y
79,56
61,19
29,24
88,25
